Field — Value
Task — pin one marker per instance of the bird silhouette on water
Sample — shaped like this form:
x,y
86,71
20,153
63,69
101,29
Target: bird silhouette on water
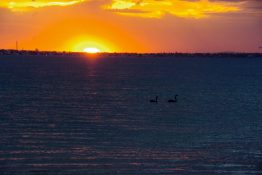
x,y
173,100
154,100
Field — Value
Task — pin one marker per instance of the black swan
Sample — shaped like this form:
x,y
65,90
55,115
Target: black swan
x,y
154,100
173,100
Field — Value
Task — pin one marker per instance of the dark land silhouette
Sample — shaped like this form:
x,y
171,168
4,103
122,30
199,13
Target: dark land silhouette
x,y
65,53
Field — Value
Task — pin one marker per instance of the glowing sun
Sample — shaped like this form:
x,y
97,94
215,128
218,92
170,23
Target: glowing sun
x,y
91,50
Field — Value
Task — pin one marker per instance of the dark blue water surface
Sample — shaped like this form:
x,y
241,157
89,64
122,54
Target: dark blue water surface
x,y
62,115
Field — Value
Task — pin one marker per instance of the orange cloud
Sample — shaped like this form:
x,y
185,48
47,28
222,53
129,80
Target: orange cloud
x,y
139,8
18,5
180,8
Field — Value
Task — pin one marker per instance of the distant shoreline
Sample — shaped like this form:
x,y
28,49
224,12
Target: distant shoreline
x,y
64,53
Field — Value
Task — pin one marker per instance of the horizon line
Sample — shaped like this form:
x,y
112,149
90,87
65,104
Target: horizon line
x,y
141,53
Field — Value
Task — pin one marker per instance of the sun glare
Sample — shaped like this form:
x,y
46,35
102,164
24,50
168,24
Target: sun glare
x,y
91,50
89,44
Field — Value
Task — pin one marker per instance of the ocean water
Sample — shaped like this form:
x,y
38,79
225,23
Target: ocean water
x,y
62,115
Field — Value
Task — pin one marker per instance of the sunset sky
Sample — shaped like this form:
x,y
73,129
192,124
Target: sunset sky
x,y
132,25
